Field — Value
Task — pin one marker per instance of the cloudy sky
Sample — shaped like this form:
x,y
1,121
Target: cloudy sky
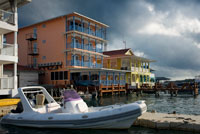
x,y
167,31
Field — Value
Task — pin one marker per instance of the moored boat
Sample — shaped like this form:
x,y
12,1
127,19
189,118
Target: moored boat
x,y
40,110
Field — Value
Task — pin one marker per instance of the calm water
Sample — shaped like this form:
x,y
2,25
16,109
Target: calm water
x,y
164,104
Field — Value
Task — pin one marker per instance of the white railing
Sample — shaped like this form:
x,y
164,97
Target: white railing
x,y
6,82
145,70
8,49
137,69
7,16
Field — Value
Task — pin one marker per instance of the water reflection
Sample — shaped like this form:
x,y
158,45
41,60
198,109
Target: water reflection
x,y
132,130
182,104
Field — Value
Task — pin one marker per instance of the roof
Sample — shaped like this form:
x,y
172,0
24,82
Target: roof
x,y
19,67
78,14
97,69
162,78
125,53
117,52
5,4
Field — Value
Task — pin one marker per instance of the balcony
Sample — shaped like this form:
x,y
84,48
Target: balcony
x,y
84,64
7,22
110,82
7,54
33,51
86,47
31,36
7,83
103,82
97,33
137,69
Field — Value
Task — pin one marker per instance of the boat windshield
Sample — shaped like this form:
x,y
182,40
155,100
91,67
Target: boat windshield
x,y
71,95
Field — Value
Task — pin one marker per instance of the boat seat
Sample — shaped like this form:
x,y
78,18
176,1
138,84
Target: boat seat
x,y
40,98
82,107
53,107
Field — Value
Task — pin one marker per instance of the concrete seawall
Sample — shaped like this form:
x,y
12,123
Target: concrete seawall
x,y
169,121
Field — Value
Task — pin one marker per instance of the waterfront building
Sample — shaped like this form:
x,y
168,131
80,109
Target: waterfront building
x,y
25,76
8,52
67,50
138,68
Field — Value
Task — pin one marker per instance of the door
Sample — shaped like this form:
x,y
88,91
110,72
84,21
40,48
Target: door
x,y
35,48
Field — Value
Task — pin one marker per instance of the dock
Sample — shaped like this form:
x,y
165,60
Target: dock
x,y
112,89
171,88
169,121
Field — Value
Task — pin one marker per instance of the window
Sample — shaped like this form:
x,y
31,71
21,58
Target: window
x,y
4,39
35,48
34,62
65,75
56,75
43,25
43,41
52,75
44,57
35,30
61,75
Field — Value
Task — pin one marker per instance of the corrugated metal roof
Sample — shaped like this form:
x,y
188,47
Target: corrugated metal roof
x,y
75,13
116,52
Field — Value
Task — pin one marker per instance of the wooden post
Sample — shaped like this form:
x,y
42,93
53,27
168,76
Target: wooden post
x,y
119,89
112,89
126,88
100,90
196,89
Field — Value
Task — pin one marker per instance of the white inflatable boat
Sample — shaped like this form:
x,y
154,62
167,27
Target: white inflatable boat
x,y
45,112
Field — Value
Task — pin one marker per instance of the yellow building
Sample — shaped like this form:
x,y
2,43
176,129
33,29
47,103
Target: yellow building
x,y
138,68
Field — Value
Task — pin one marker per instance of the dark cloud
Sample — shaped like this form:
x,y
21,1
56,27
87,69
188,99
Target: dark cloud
x,y
167,31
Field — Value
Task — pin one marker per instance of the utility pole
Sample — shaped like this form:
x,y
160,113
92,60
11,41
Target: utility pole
x,y
124,43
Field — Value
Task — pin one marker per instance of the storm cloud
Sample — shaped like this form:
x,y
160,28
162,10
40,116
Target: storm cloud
x,y
165,31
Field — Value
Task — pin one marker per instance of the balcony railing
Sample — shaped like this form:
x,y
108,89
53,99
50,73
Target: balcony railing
x,y
99,65
83,64
8,49
76,63
6,16
97,33
137,69
7,82
86,47
33,51
110,82
31,36
103,82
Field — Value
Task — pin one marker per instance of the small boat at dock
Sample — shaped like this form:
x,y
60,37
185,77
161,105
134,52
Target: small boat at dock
x,y
40,110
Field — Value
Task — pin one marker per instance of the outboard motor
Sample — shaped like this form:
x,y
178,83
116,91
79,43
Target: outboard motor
x,y
73,103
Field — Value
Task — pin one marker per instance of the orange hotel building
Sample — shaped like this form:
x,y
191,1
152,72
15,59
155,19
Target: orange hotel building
x,y
67,50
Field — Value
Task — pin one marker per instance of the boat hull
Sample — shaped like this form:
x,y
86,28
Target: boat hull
x,y
121,120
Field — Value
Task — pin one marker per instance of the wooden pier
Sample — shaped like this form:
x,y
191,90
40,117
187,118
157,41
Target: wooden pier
x,y
112,89
171,88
